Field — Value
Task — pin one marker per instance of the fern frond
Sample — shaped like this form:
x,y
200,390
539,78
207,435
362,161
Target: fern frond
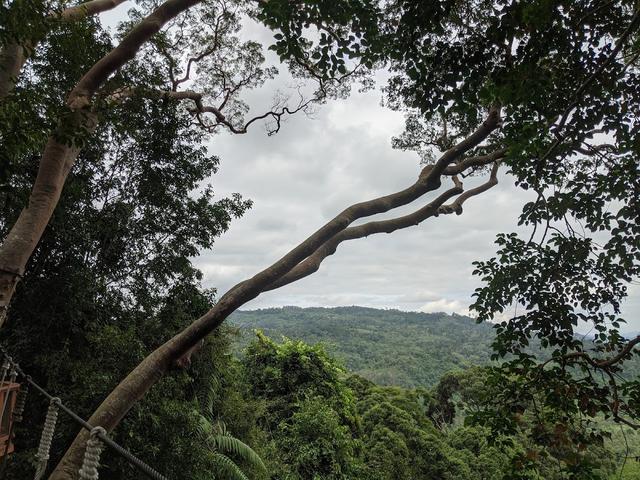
x,y
209,395
221,428
204,427
229,444
228,469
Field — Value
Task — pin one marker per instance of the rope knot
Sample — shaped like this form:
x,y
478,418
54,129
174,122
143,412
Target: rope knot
x,y
20,404
91,461
96,431
47,437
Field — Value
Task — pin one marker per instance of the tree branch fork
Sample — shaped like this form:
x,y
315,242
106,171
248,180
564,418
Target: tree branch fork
x,y
220,118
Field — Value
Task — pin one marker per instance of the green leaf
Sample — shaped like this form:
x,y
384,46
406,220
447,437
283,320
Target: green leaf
x,y
229,469
231,445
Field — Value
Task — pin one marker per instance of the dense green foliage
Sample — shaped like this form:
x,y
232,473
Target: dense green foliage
x,y
309,412
388,347
322,422
460,390
325,424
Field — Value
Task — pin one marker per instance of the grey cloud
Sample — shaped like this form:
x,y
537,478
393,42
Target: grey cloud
x,y
311,172
315,167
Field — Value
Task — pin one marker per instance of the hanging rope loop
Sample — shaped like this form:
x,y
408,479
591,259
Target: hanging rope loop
x,y
21,401
91,461
47,436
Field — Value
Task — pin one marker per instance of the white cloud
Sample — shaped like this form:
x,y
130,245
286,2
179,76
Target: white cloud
x,y
444,305
313,169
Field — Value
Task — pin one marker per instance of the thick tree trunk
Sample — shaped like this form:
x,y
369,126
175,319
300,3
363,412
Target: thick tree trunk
x,y
58,158
12,58
21,241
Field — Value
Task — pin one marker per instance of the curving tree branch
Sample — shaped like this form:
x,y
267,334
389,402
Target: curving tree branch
x,y
87,9
182,345
14,55
433,209
220,119
476,161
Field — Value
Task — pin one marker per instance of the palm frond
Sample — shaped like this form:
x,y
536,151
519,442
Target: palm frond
x,y
229,444
229,470
204,427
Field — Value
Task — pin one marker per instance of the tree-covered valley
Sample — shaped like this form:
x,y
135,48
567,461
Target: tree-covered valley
x,y
413,350
388,347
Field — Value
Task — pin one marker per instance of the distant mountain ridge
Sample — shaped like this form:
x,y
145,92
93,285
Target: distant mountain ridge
x,y
389,347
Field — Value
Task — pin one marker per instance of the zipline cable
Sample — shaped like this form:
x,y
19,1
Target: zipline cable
x,y
99,434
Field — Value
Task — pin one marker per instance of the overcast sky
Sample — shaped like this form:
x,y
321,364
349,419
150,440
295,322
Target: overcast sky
x,y
311,170
315,167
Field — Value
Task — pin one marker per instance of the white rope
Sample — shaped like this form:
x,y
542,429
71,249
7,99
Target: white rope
x,y
21,401
91,461
47,436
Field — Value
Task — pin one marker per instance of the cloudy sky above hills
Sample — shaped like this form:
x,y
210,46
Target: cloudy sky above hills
x,y
315,167
311,170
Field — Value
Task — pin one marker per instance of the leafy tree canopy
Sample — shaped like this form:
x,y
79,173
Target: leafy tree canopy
x,y
564,77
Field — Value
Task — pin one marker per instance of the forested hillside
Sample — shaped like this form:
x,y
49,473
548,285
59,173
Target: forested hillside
x,y
415,350
388,347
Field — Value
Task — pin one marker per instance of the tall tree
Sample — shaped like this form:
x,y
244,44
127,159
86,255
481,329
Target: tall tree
x,y
99,92
206,38
111,274
566,75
